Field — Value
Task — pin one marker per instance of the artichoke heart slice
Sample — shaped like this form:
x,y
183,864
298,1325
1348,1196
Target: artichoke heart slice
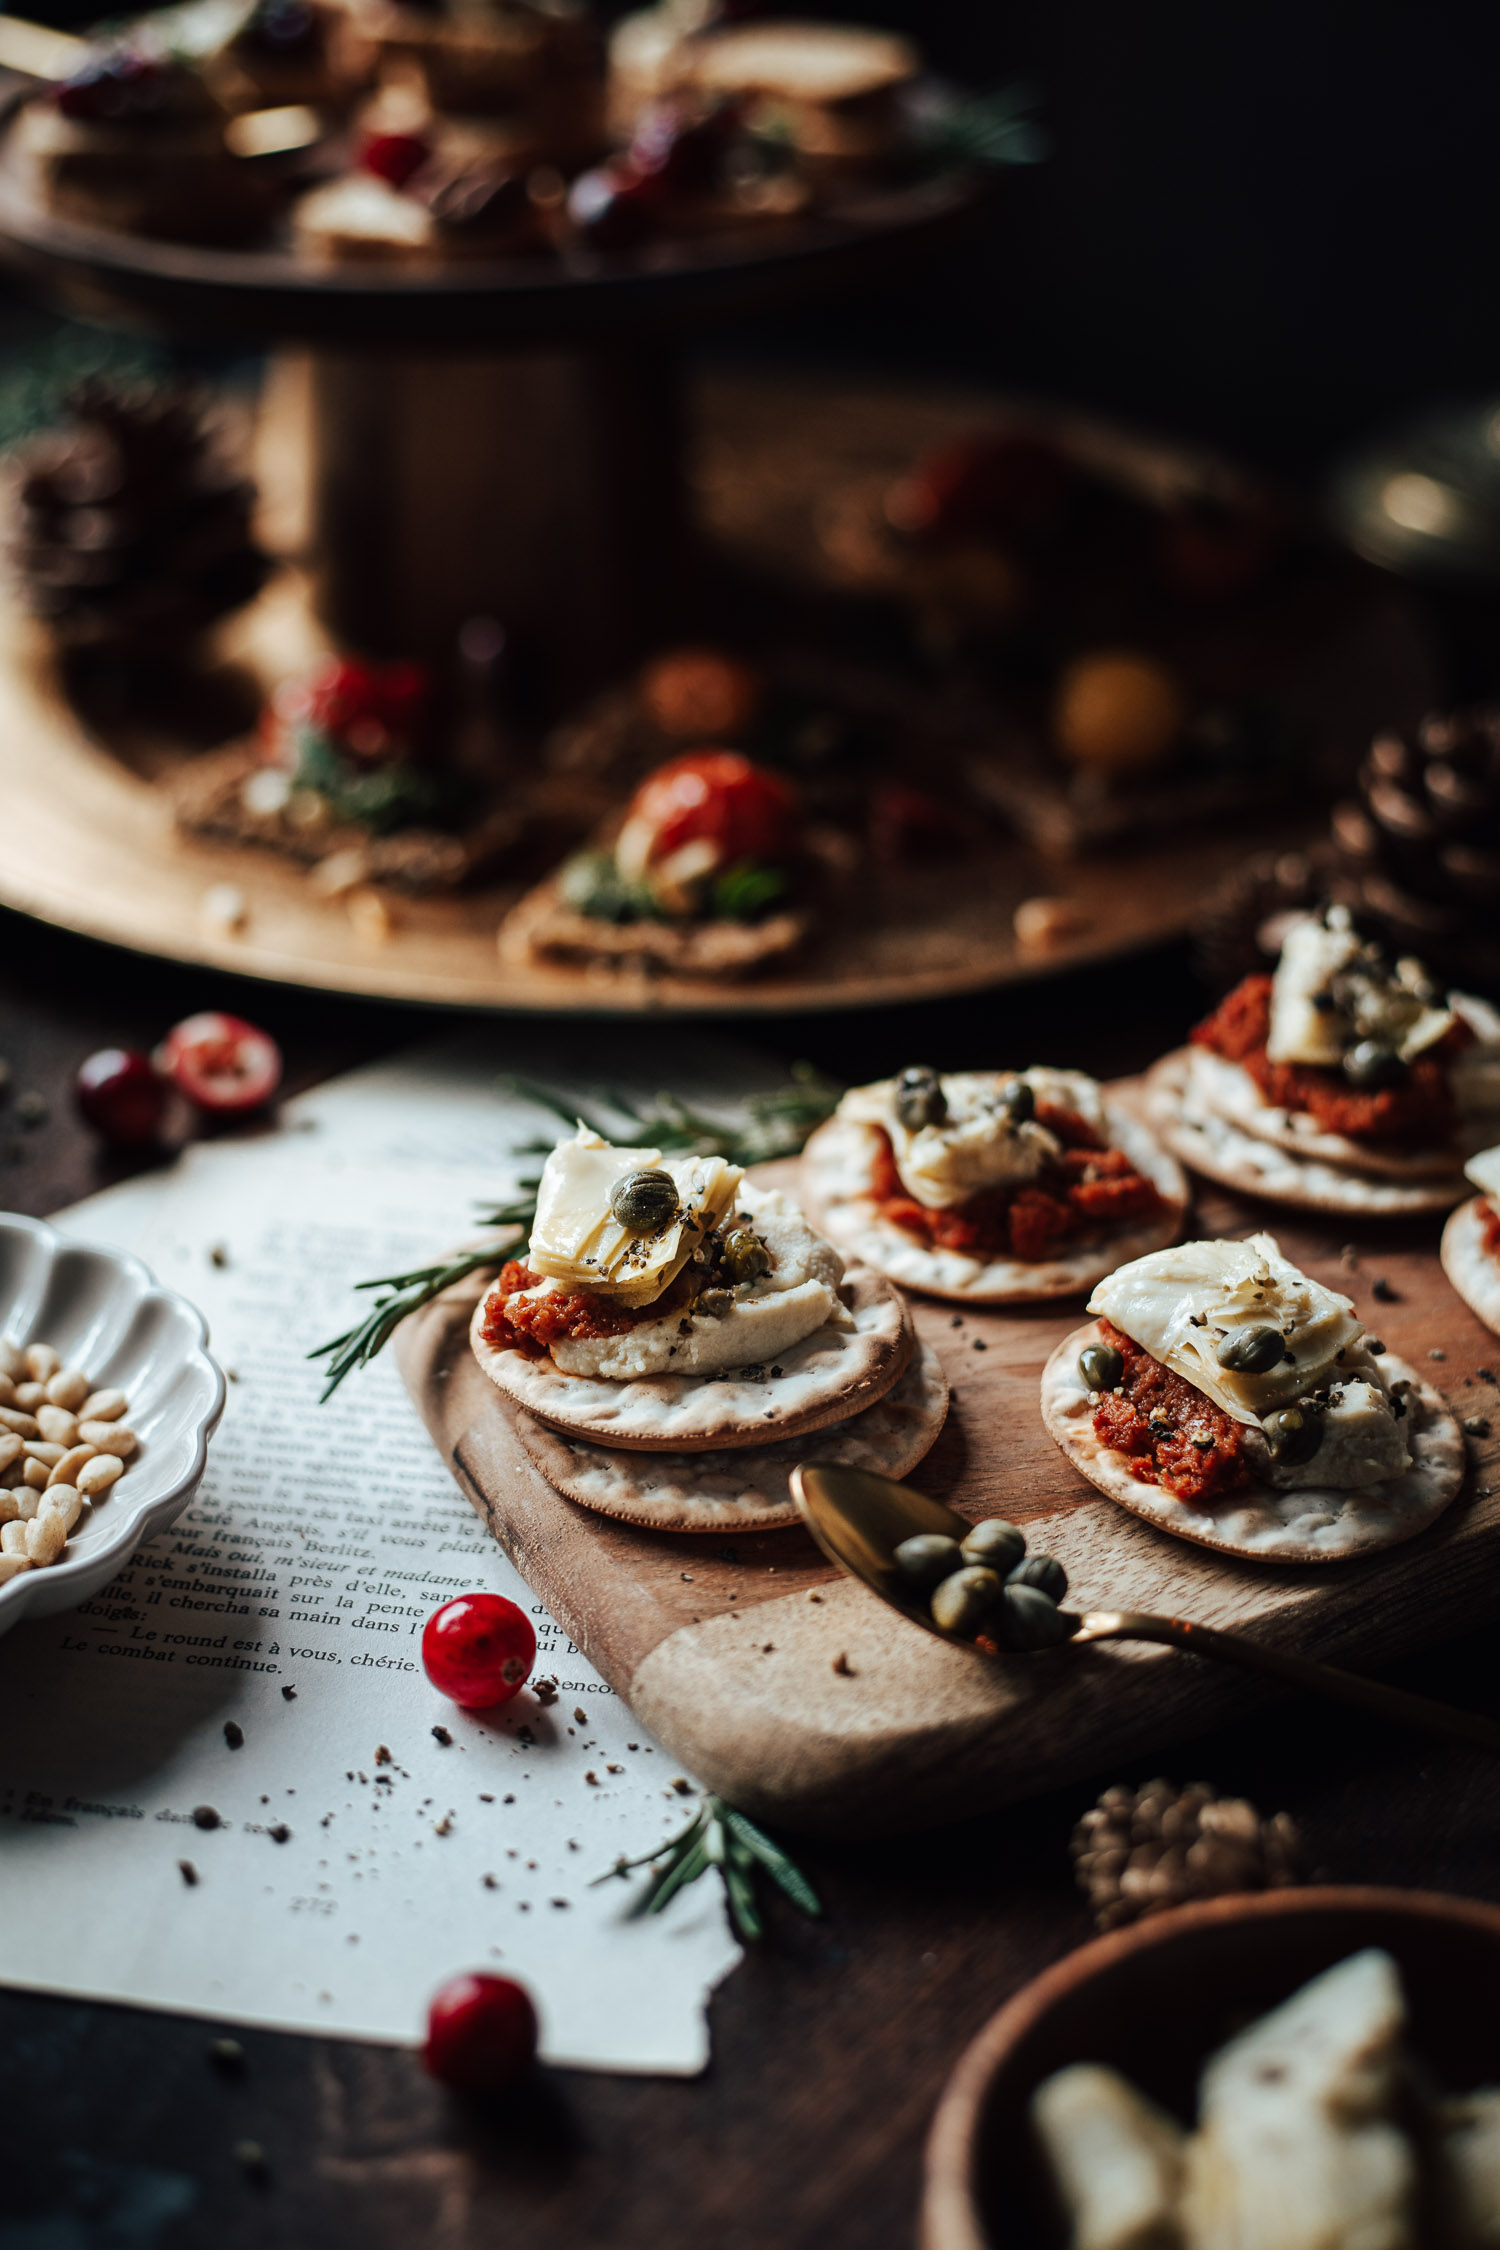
x,y
1181,1304
577,1241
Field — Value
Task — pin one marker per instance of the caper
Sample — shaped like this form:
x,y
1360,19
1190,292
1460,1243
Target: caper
x,y
1100,1366
1293,1435
1019,1102
746,1257
644,1201
920,1099
1251,1351
927,1558
995,1543
1372,1064
1031,1619
962,1603
1044,1572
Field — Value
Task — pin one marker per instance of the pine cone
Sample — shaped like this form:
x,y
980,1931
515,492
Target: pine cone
x,y
1237,929
1418,852
1140,1851
127,531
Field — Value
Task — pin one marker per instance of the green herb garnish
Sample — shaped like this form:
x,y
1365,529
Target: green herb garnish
x,y
770,1125
744,891
992,129
718,1836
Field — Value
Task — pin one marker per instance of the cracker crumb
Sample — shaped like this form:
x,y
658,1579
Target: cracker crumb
x,y
843,1667
281,1834
204,1816
289,1695
683,1787
234,1734
441,1734
188,1872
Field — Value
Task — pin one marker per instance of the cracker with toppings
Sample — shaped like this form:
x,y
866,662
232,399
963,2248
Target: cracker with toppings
x,y
667,1303
744,1489
1227,1398
1367,1081
941,1203
1208,1143
1471,1242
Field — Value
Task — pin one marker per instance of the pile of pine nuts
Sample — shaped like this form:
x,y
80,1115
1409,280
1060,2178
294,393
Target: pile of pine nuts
x,y
61,1443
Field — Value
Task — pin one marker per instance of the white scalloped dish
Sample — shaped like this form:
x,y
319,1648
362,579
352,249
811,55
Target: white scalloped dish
x,y
108,1315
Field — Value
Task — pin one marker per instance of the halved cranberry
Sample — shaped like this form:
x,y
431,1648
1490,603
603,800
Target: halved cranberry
x,y
393,157
221,1062
121,1096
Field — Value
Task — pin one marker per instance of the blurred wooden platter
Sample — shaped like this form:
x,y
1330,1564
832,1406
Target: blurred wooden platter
x,y
89,842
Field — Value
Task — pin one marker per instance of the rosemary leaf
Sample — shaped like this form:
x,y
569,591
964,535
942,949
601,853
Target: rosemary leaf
x,y
744,1912
775,1862
719,1837
691,1865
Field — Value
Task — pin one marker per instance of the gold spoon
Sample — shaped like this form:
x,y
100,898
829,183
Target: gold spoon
x,y
859,1519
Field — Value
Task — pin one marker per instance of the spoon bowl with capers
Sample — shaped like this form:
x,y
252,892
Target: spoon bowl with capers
x,y
975,1584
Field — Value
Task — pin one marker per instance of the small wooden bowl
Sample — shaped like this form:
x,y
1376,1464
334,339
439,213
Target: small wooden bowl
x,y
1157,1999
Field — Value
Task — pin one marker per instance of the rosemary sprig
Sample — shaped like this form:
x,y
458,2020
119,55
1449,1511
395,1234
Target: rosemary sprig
x,y
718,1836
409,1292
992,129
772,1125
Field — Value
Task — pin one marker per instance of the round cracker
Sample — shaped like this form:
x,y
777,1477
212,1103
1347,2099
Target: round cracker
x,y
838,1169
744,1489
1315,1524
1473,1270
1210,1144
830,1375
1228,1090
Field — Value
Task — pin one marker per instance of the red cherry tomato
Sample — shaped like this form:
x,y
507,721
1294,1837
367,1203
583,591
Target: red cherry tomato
x,y
393,157
120,1095
481,2033
478,1650
747,812
221,1062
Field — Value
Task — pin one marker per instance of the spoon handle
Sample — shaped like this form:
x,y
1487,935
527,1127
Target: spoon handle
x,y
1295,1671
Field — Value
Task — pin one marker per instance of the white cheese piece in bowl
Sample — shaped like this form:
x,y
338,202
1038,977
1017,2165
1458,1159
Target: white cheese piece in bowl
x,y
1182,1305
577,1241
1484,1171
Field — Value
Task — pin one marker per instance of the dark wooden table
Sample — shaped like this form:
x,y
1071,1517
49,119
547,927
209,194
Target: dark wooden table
x,y
830,2043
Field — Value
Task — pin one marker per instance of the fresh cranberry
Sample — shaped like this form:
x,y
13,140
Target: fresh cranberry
x,y
481,2033
393,157
748,812
613,208
371,708
120,1095
221,1062
478,1650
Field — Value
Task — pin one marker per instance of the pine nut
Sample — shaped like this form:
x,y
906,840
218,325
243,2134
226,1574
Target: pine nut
x,y
11,1362
19,1424
42,1362
68,1388
64,1501
108,1437
43,1450
28,1501
10,1507
11,1566
96,1476
103,1406
10,1450
7,1391
46,1536
66,1470
29,1396
34,1476
13,1539
57,1425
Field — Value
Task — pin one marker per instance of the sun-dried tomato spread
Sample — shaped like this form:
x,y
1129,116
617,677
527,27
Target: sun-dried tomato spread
x,y
1420,1109
1173,1435
562,1316
1091,1190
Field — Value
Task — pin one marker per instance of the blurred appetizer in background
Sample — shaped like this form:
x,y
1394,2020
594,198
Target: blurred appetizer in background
x,y
344,777
671,1326
991,1187
706,874
1228,1398
1345,1081
1471,1241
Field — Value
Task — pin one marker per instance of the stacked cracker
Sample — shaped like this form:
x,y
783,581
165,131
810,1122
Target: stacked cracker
x,y
691,1419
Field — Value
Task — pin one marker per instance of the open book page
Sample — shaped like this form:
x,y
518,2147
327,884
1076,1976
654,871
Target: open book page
x,y
359,1856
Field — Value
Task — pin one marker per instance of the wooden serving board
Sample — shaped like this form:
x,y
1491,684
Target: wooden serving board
x,y
727,1648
